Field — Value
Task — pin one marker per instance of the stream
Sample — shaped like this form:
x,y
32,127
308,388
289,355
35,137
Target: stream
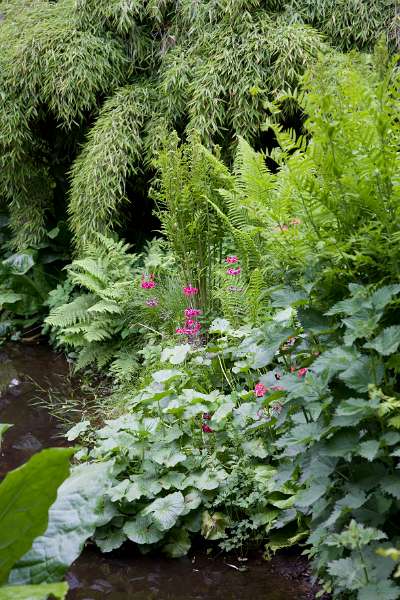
x,y
125,574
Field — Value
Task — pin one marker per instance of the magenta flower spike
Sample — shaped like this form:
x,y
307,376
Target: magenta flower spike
x,y
231,260
189,290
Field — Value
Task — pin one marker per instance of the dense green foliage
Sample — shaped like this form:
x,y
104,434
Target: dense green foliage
x,y
252,353
114,75
270,424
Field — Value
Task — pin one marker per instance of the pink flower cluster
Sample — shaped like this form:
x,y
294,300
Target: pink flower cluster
x,y
189,290
205,426
231,260
192,327
148,284
192,312
284,227
260,389
152,302
302,372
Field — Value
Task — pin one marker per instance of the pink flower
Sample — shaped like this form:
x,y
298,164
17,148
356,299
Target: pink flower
x,y
192,312
190,290
302,372
292,369
152,302
260,390
206,428
231,260
277,388
148,284
193,329
295,222
234,271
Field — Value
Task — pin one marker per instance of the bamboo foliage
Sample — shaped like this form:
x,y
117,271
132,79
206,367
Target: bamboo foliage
x,y
112,151
127,70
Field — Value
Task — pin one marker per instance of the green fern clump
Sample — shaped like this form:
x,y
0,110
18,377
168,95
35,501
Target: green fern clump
x,y
328,213
94,323
189,178
101,313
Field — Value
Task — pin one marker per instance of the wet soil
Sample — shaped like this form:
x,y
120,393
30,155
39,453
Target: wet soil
x,y
126,575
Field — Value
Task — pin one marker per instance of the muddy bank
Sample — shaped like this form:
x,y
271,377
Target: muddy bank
x,y
126,575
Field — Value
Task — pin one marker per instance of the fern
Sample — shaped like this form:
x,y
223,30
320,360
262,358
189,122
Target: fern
x,y
69,314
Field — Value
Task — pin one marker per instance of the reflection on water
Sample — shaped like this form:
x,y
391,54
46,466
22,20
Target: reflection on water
x,y
95,577
33,429
127,575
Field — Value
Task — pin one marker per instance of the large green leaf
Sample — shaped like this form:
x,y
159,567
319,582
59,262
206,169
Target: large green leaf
x,y
175,355
387,341
206,480
362,372
382,590
19,263
43,591
73,518
384,295
361,325
169,455
178,543
166,511
255,447
165,375
350,572
142,530
26,495
368,449
9,298
334,361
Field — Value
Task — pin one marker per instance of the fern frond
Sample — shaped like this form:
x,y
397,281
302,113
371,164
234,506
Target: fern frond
x,y
69,314
105,306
